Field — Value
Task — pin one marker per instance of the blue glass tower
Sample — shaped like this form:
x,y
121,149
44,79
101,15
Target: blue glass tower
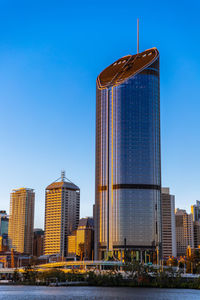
x,y
128,169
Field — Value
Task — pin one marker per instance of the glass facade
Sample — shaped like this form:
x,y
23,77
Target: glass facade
x,y
128,171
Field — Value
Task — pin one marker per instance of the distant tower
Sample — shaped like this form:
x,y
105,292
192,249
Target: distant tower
x,y
168,223
62,211
4,220
21,221
184,231
195,210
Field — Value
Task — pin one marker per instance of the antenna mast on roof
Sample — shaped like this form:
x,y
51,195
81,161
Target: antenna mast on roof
x,y
63,176
137,35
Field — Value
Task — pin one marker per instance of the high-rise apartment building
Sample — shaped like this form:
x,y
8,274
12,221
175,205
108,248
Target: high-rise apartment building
x,y
128,172
195,210
21,221
184,231
168,223
62,211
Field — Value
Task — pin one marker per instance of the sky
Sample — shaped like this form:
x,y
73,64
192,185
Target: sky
x,y
50,55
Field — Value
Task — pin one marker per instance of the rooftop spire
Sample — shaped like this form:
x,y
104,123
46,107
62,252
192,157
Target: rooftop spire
x,y
62,176
137,35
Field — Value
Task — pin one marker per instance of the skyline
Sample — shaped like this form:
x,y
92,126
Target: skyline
x,y
45,72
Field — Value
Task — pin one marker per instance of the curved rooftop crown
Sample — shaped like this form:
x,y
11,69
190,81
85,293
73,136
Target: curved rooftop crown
x,y
126,67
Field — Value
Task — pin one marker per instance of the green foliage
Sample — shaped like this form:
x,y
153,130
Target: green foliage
x,y
16,275
104,279
29,275
53,275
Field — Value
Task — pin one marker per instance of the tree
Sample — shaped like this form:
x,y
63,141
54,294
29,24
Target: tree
x,y
16,275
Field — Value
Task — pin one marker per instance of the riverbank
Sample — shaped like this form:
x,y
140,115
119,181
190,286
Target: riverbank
x,y
133,275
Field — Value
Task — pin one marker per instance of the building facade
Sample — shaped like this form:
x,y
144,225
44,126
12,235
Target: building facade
x,y
4,219
81,242
196,225
38,242
195,210
184,231
62,211
168,224
21,221
128,172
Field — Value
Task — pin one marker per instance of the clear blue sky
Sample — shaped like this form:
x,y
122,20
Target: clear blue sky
x,y
50,55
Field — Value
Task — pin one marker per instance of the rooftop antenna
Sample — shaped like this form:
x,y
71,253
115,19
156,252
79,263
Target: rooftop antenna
x,y
137,35
63,176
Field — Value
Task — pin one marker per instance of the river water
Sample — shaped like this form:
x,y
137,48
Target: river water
x,y
51,293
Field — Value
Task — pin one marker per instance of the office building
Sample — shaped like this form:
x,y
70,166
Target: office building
x,y
38,242
168,223
62,211
128,171
21,220
195,210
81,242
4,246
184,231
4,219
196,225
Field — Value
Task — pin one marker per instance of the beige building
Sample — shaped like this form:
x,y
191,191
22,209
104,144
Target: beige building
x,y
184,231
62,210
195,210
168,223
21,222
81,242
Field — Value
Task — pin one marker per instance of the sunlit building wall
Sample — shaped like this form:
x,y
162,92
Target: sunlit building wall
x,y
81,242
62,211
184,231
128,172
195,210
21,221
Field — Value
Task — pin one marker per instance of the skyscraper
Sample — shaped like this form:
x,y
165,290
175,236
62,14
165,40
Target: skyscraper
x,y
21,221
184,231
4,219
128,172
195,210
62,211
168,223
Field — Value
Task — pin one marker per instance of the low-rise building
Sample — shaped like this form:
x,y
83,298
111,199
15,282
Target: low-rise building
x,y
38,242
81,242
